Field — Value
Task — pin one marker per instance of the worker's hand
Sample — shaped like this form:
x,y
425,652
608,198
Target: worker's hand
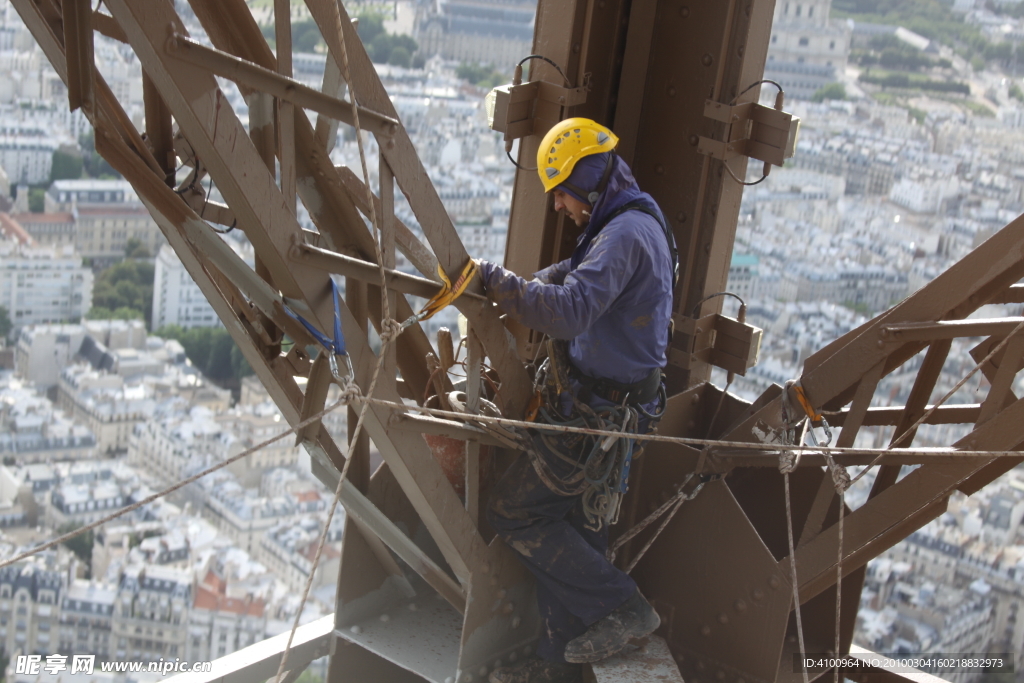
x,y
485,269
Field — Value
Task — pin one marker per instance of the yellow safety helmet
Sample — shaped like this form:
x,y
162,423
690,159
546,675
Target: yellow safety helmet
x,y
566,143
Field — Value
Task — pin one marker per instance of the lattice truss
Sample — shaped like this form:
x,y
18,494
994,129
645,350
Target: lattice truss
x,y
421,593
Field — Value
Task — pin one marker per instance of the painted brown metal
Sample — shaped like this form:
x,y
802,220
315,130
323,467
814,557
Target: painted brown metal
x,y
726,606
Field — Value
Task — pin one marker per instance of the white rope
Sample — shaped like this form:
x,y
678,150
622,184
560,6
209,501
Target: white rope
x,y
787,465
344,400
388,335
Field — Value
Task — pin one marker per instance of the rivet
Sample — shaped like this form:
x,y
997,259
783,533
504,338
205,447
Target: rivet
x,y
671,92
449,680
701,665
516,621
576,48
696,399
791,639
773,581
412,606
482,671
705,630
681,217
723,618
684,11
527,650
468,678
707,248
356,629
508,608
707,60
749,9
758,594
740,680
741,50
720,675
740,606
694,140
881,344
601,4
502,593
485,568
659,169
385,618
494,580
497,663
512,658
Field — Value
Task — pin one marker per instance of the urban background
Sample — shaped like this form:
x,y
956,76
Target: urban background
x,y
116,378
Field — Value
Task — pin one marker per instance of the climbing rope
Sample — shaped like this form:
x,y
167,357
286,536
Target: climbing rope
x,y
345,399
788,463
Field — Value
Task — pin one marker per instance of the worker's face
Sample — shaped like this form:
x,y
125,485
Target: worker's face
x,y
578,211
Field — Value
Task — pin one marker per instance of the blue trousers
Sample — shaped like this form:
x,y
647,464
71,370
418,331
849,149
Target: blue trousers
x,y
576,585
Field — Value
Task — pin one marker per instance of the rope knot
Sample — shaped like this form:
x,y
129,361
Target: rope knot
x,y
840,477
349,392
389,330
787,461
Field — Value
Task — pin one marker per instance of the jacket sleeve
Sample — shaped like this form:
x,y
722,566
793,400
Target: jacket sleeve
x,y
553,274
563,311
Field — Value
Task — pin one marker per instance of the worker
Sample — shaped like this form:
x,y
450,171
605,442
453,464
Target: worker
x,y
610,306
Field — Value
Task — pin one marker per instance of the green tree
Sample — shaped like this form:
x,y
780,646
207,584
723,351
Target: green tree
x,y
306,36
5,323
95,165
125,285
134,248
481,75
832,91
36,199
211,350
400,57
67,164
370,26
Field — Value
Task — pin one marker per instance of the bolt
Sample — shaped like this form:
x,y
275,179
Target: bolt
x,y
561,99
527,650
385,618
705,630
512,658
740,680
758,594
740,606
684,11
696,399
681,217
694,140
502,593
497,663
720,675
707,248
701,666
723,618
449,680
671,91
707,60
356,629
508,608
412,606
485,568
659,169
741,50
749,9
468,678
482,671
516,621
494,580
576,48
773,581
881,344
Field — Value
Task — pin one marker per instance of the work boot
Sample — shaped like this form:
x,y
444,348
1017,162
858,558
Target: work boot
x,y
538,671
635,618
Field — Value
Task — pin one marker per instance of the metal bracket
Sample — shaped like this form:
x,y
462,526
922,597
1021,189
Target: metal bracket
x,y
530,108
755,131
718,340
